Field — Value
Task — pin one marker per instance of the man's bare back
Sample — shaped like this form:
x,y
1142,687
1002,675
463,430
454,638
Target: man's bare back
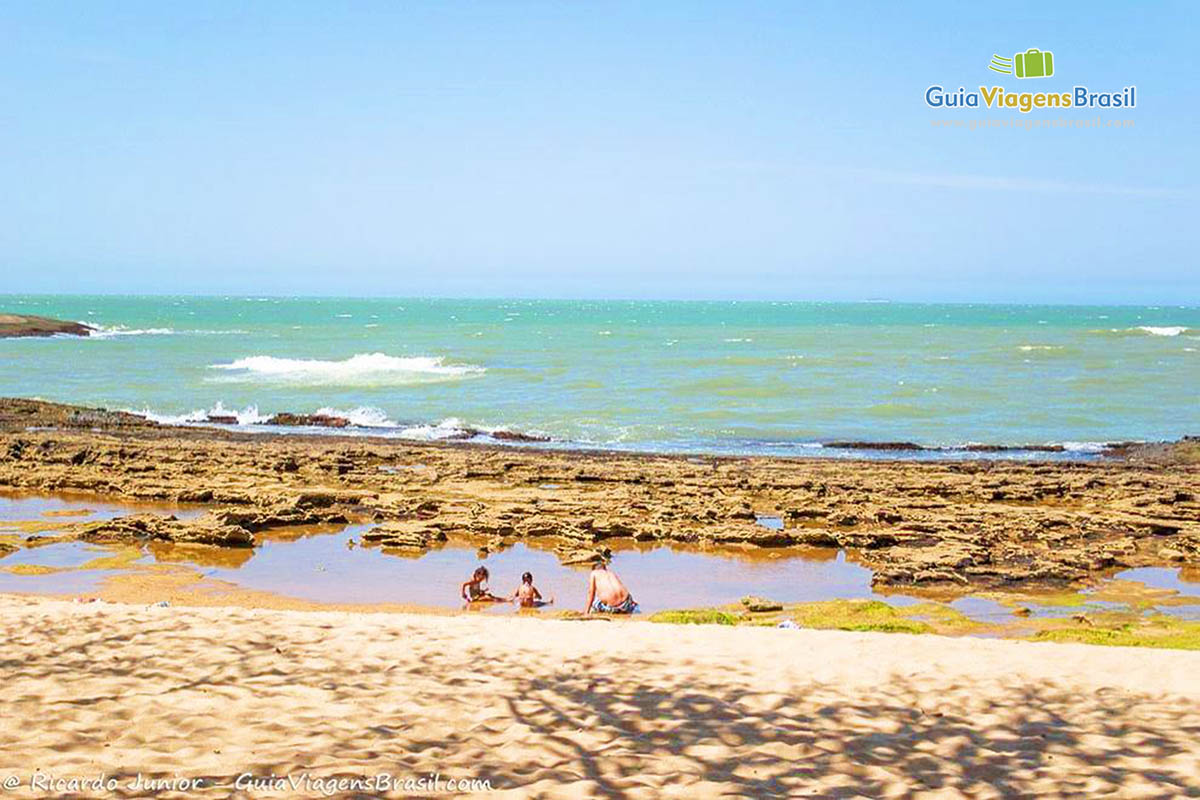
x,y
606,592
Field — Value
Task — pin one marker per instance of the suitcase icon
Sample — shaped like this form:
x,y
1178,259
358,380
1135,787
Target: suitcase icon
x,y
1034,63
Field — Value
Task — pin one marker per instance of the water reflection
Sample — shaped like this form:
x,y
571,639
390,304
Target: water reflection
x,y
327,564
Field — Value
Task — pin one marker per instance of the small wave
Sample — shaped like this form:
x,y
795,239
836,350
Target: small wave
x,y
1030,347
361,417
1084,447
247,416
113,331
738,340
449,428
109,332
363,369
1152,330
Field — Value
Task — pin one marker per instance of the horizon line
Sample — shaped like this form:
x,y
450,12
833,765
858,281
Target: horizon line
x,y
566,299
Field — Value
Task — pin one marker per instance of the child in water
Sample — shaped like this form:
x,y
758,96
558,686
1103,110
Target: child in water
x,y
527,595
475,590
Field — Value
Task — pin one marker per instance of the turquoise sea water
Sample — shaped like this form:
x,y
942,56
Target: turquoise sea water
x,y
779,377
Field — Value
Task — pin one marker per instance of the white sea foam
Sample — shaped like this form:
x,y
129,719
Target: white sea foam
x,y
1084,447
113,331
449,428
363,369
1152,330
109,332
1168,330
247,416
362,416
1029,347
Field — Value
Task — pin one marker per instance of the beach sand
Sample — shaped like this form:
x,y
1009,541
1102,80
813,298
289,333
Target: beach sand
x,y
581,708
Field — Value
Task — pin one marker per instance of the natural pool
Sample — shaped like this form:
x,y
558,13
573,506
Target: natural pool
x,y
328,565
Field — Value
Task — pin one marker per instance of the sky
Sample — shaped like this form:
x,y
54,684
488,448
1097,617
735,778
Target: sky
x,y
607,149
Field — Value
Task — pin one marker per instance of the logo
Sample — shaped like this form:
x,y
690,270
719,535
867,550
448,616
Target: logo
x,y
1033,63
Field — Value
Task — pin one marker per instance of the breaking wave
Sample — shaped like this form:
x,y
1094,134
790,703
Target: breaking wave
x,y
1169,330
1152,330
247,416
363,369
110,332
114,331
360,417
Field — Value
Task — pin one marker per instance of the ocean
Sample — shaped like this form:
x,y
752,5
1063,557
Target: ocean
x,y
787,378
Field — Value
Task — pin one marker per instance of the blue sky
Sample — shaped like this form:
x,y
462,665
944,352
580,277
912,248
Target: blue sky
x,y
570,149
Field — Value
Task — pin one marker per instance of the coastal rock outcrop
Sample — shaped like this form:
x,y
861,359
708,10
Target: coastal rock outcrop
x,y
140,527
309,420
404,536
25,325
950,526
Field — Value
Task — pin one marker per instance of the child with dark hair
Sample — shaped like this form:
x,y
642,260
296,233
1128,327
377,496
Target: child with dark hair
x,y
475,590
527,595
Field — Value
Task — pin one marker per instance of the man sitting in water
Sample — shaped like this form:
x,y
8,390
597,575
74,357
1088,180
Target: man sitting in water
x,y
606,593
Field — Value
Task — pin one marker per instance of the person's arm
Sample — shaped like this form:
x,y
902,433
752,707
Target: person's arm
x,y
591,592
536,594
463,590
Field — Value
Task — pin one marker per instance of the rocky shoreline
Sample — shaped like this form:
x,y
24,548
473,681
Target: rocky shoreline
x,y
14,326
943,526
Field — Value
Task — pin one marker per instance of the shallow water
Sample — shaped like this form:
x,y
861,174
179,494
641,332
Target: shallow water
x,y
66,508
322,568
320,565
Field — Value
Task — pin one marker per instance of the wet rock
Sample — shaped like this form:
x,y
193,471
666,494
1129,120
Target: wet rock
x,y
865,539
874,446
140,527
403,535
287,464
517,436
580,557
757,605
815,537
255,519
28,325
990,524
308,420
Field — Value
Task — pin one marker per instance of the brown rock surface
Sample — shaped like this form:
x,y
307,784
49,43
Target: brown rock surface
x,y
21,325
208,529
954,525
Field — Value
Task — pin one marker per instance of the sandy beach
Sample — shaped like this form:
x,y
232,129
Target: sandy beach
x,y
599,400
223,691
578,709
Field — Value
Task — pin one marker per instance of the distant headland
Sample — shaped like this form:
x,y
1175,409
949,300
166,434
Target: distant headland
x,y
17,325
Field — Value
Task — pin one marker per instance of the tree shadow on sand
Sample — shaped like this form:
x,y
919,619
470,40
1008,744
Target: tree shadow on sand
x,y
627,737
414,702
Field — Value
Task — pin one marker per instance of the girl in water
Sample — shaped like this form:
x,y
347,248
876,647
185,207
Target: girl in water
x,y
475,590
